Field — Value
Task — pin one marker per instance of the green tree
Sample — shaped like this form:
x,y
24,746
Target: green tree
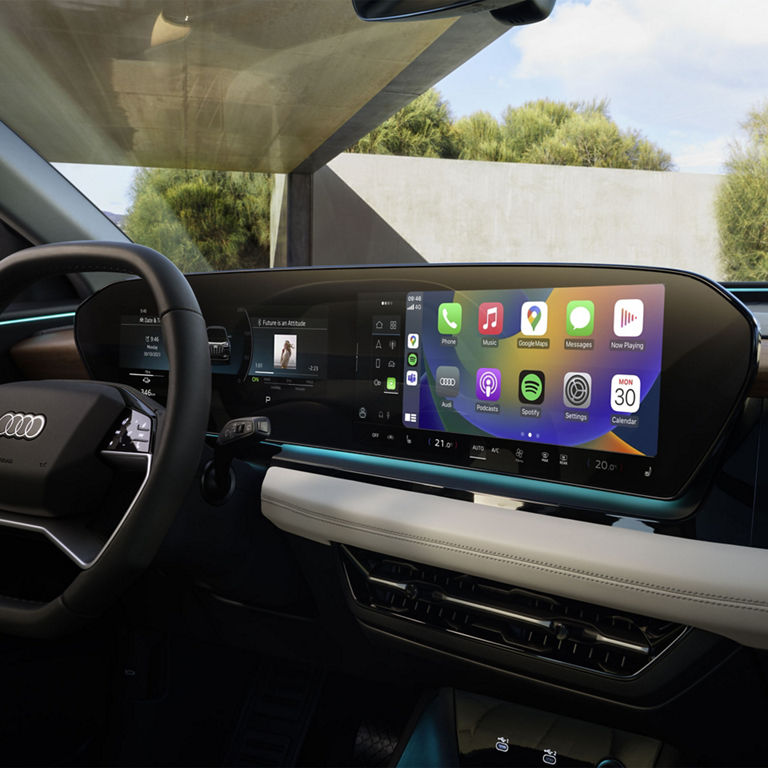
x,y
580,133
527,126
480,137
543,131
741,205
422,128
202,220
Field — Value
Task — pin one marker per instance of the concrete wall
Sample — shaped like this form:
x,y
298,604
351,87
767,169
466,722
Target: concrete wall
x,y
383,209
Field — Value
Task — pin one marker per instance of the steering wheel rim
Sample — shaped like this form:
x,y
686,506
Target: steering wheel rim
x,y
178,441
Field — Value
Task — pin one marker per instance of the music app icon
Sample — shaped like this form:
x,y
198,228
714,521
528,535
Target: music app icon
x,y
490,318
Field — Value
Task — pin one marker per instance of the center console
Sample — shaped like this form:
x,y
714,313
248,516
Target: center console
x,y
457,728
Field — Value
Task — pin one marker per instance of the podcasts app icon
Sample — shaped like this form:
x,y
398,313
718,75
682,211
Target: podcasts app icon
x,y
488,384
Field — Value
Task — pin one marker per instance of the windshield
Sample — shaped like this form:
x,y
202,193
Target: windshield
x,y
615,131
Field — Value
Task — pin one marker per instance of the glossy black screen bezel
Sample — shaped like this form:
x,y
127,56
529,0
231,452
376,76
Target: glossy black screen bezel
x,y
708,361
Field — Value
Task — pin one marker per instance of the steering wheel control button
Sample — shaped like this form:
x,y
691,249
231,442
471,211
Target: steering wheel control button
x,y
133,435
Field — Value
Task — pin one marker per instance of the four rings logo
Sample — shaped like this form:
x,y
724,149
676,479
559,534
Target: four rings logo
x,y
24,426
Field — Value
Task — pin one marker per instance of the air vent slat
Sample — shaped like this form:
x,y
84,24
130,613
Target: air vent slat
x,y
565,631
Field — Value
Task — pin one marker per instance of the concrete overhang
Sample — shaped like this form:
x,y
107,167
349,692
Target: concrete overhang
x,y
261,85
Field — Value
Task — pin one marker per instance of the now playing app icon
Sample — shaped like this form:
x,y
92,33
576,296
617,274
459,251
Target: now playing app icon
x,y
628,317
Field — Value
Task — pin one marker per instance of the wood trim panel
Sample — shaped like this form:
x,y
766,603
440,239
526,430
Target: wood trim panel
x,y
49,355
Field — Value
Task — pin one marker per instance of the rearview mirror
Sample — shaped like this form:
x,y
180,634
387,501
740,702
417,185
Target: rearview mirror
x,y
514,12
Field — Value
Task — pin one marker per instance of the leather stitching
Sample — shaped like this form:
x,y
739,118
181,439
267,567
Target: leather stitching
x,y
668,591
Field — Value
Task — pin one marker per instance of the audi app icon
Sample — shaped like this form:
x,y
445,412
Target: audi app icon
x,y
447,379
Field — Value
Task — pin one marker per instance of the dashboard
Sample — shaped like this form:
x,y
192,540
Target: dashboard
x,y
605,379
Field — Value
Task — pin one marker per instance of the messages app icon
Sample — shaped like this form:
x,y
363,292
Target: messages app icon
x,y
580,318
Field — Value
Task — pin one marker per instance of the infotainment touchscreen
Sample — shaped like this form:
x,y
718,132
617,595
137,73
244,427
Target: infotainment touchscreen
x,y
576,366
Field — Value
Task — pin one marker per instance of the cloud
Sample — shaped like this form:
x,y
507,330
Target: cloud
x,y
705,157
684,72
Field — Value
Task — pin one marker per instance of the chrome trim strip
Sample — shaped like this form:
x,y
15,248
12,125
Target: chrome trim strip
x,y
599,637
525,619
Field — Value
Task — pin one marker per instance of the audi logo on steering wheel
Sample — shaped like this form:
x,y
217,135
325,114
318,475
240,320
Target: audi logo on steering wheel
x,y
23,426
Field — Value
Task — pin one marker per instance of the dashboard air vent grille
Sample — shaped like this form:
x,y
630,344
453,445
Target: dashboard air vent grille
x,y
567,631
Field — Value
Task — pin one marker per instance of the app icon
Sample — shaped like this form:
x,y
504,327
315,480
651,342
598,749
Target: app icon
x,y
577,390
580,318
628,317
531,387
488,384
412,378
625,393
447,379
391,383
413,341
413,359
490,318
533,318
449,318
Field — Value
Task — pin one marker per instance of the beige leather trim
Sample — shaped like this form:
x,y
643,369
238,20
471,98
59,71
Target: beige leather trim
x,y
718,587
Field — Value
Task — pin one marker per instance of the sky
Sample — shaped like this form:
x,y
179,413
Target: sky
x,y
683,72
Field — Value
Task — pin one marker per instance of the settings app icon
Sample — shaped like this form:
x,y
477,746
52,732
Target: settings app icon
x,y
577,389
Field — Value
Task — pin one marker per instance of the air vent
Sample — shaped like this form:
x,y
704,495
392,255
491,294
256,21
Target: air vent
x,y
566,631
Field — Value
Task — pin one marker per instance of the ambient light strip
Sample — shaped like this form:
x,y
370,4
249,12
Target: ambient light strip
x,y
721,588
38,318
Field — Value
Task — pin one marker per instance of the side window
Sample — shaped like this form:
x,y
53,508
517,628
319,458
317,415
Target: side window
x,y
53,294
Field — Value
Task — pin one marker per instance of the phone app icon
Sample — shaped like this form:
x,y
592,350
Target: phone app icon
x,y
533,318
531,387
625,393
488,384
580,318
413,359
577,390
449,318
447,379
628,317
413,341
391,383
490,318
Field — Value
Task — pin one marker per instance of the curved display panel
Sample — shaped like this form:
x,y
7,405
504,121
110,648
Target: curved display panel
x,y
591,376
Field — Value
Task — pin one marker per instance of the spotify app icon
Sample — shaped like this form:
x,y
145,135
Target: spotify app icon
x,y
531,387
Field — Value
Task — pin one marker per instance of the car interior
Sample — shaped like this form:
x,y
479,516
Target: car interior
x,y
500,514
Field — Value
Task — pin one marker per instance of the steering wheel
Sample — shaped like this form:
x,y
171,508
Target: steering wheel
x,y
96,467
